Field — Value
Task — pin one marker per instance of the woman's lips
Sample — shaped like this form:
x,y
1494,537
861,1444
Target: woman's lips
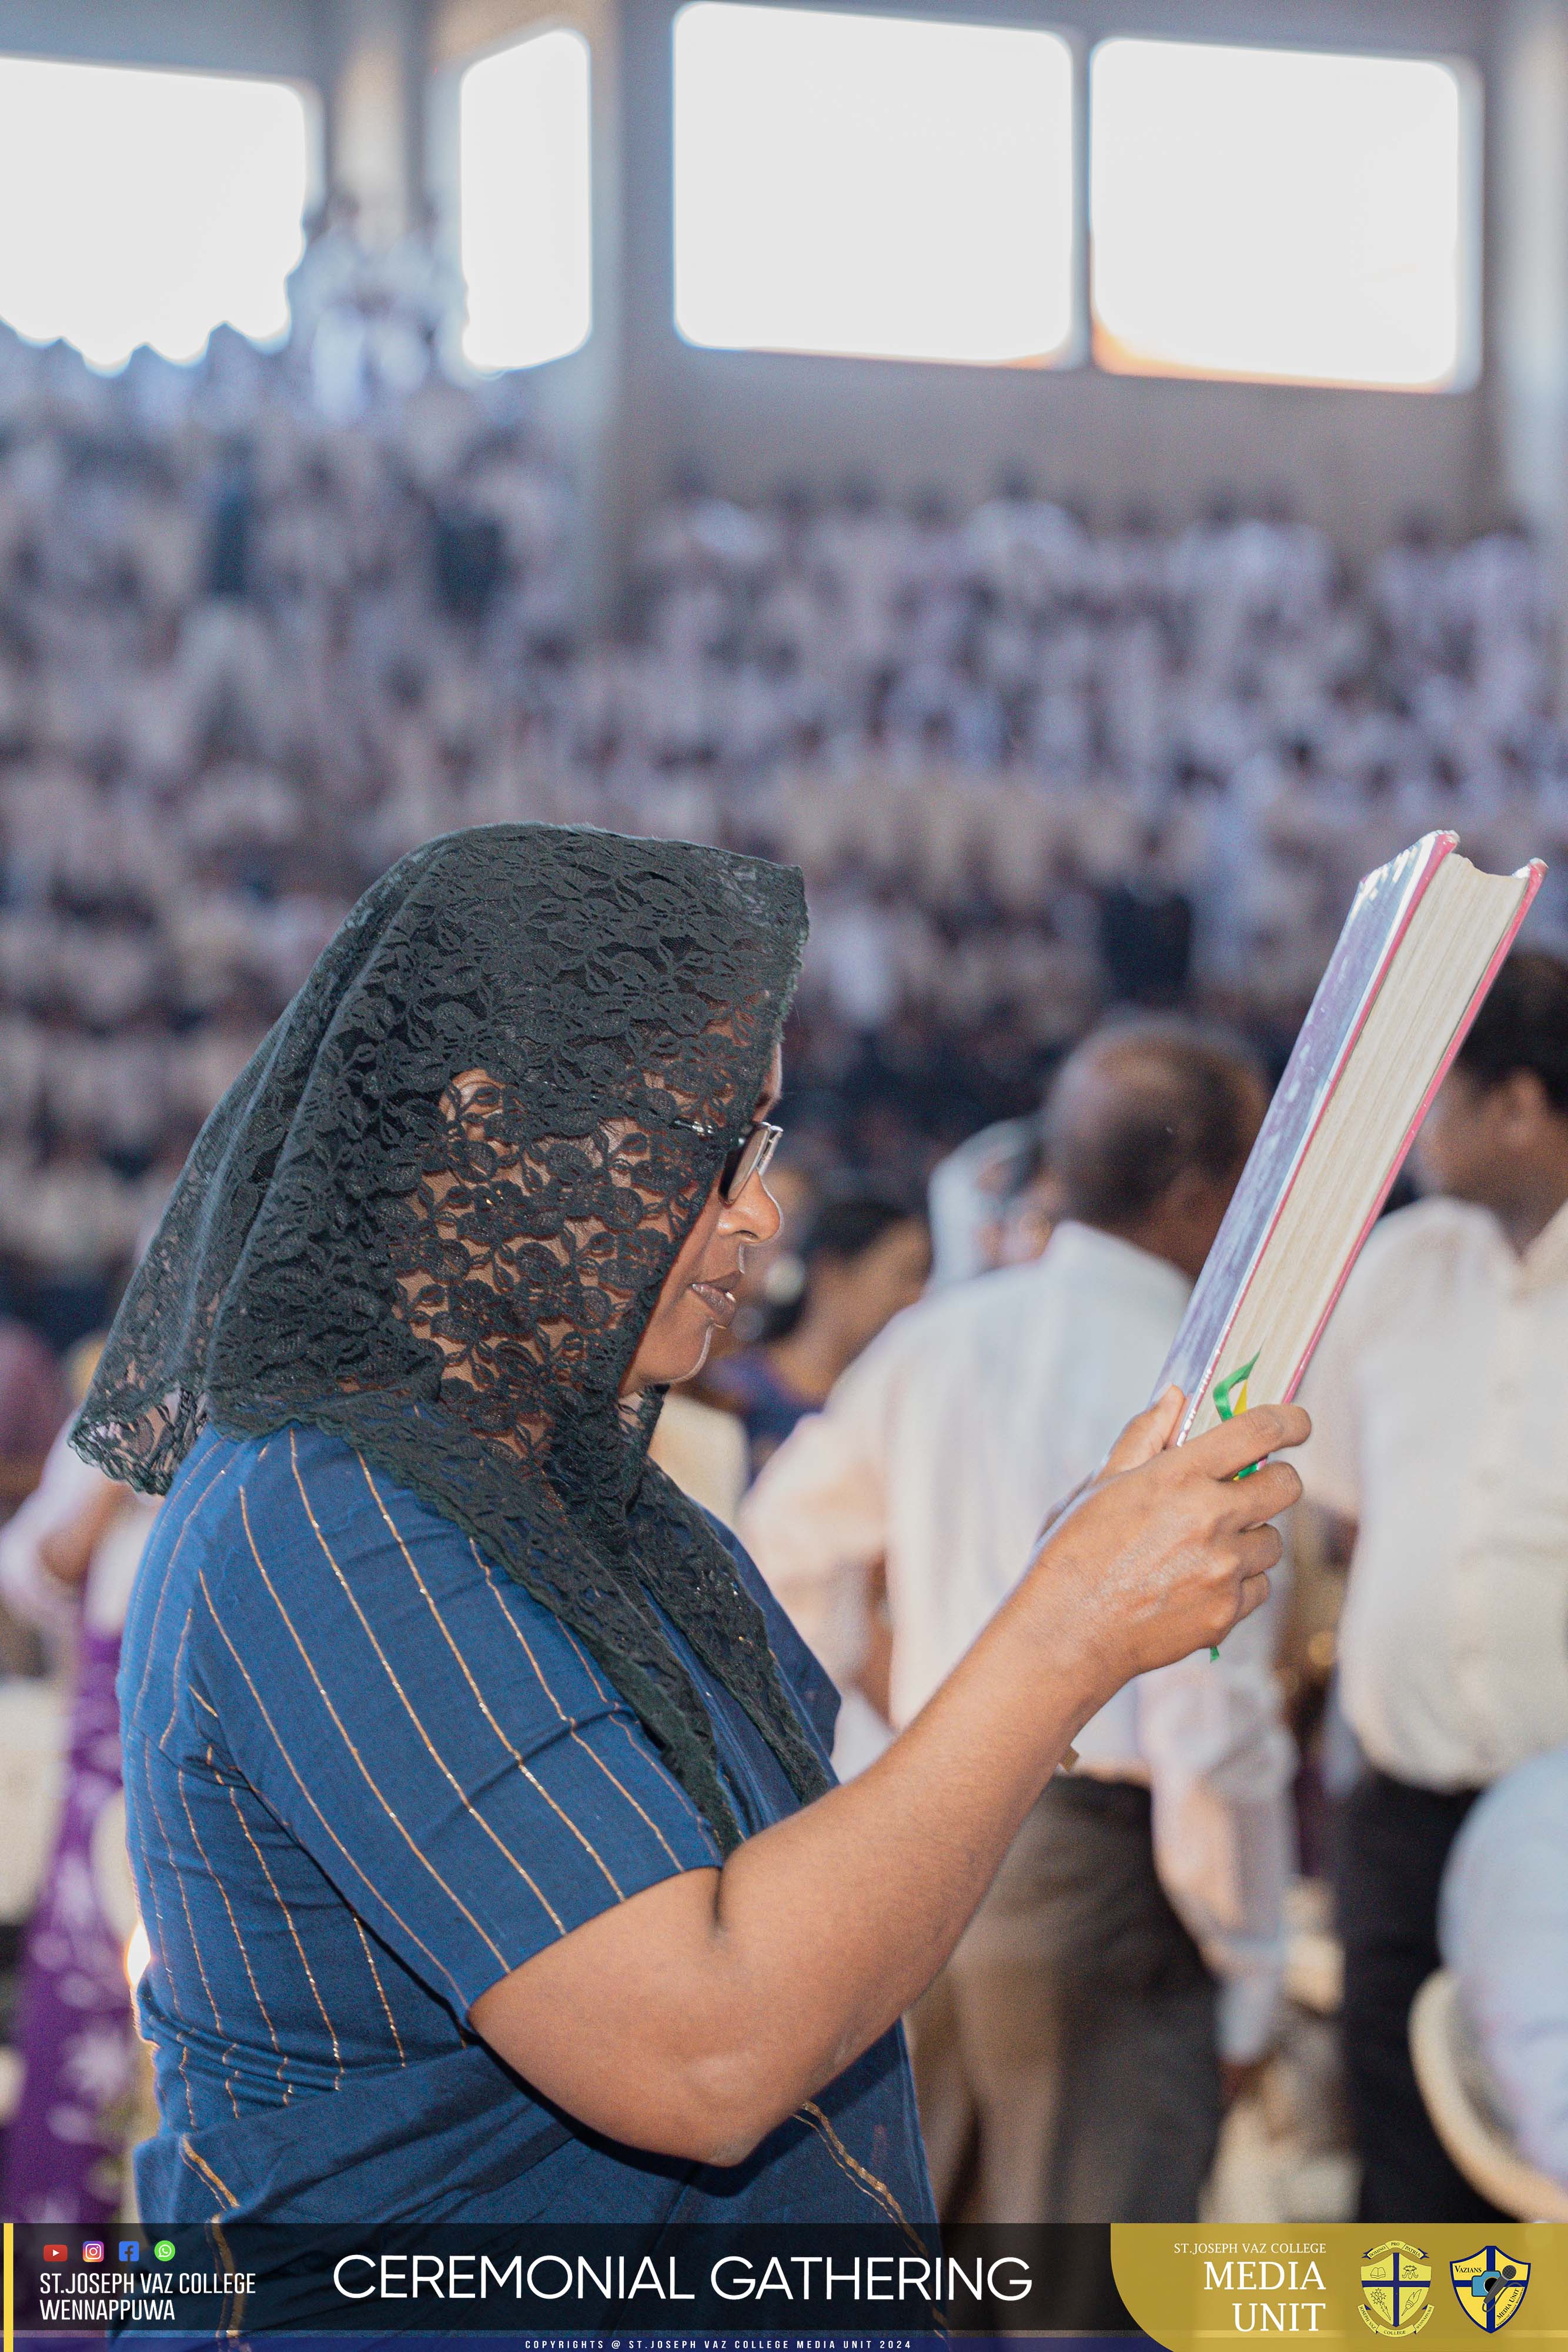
x,y
718,1303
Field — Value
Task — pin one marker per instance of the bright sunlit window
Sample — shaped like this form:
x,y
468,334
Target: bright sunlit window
x,y
1284,214
883,187
526,193
147,207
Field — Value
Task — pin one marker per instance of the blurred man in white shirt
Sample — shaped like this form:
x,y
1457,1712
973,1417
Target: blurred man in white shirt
x,y
1069,2058
1439,1403
1503,1929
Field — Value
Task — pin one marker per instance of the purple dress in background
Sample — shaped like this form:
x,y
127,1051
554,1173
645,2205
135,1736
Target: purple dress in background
x,y
65,2147
66,2144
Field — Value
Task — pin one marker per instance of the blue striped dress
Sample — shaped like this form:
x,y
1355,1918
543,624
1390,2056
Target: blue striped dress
x,y
366,1777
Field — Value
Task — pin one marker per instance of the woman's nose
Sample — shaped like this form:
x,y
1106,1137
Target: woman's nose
x,y
756,1216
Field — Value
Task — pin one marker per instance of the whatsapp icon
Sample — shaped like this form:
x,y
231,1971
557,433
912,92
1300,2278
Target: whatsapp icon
x,y
164,2250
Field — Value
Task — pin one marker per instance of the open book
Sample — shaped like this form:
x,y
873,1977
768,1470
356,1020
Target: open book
x,y
1421,947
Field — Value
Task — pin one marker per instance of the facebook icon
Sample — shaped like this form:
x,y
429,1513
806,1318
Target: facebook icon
x,y
131,2249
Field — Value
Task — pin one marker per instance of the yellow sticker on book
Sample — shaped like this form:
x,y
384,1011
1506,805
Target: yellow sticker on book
x,y
1230,1397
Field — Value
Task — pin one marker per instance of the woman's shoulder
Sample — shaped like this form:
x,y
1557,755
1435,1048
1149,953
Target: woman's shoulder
x,y
299,1542
226,1475
295,1502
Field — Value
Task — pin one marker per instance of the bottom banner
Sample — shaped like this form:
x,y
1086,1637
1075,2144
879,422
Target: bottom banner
x,y
1190,2288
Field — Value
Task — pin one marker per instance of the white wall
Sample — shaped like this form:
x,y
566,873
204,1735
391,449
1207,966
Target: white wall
x,y
641,406
1354,461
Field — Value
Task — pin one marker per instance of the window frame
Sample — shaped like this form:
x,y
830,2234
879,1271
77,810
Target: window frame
x,y
444,176
313,102
1083,39
1074,351
1470,340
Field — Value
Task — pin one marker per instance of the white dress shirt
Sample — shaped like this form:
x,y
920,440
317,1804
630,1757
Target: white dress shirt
x,y
1440,1404
1503,1930
66,1488
940,1452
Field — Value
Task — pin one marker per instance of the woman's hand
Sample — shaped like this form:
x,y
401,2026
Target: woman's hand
x,y
1167,1549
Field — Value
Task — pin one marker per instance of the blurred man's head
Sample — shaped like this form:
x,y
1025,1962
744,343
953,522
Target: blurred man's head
x,y
1498,1132
1147,1129
867,1257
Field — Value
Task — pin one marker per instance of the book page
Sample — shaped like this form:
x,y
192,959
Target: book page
x,y
1379,912
1355,1152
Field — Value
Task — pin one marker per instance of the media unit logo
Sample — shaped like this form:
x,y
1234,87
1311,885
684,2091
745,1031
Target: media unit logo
x,y
1395,2289
1490,2287
1301,2303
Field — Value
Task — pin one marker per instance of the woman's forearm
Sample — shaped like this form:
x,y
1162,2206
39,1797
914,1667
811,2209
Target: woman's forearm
x,y
694,2017
827,1926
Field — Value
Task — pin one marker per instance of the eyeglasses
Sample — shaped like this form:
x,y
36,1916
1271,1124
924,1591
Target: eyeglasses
x,y
749,1161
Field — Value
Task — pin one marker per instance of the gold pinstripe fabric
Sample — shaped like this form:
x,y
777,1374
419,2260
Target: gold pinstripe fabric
x,y
160,1954
873,2187
304,1791
293,1931
161,1947
199,2165
444,1768
234,2311
592,1753
303,1648
380,1802
234,1923
380,1990
180,1883
622,1724
167,1585
370,1779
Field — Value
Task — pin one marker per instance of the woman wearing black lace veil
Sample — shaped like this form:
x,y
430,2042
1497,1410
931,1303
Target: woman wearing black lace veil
x,y
482,1828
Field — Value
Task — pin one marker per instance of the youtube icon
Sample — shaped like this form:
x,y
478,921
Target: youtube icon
x,y
56,2253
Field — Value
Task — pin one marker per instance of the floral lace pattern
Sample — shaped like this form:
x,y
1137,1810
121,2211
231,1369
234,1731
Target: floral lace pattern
x,y
435,1211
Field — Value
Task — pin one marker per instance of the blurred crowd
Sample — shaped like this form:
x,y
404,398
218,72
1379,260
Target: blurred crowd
x,y
248,657
268,622
1028,765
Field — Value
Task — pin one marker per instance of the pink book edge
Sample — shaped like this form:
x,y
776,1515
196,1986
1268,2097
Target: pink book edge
x,y
1536,870
1443,845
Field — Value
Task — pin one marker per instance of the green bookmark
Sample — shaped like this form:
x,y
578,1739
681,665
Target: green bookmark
x,y
1234,1384
1223,1391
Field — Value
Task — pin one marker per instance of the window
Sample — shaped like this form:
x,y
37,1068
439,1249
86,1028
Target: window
x,y
1278,213
147,207
525,194
881,186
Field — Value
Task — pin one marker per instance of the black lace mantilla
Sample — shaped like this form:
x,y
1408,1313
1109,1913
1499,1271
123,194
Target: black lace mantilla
x,y
433,1212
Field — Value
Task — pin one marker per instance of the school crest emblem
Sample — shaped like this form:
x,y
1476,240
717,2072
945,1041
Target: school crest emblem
x,y
1490,2287
1395,2289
